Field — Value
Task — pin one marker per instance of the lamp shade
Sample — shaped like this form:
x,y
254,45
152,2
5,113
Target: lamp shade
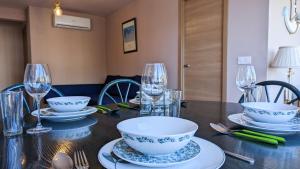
x,y
287,57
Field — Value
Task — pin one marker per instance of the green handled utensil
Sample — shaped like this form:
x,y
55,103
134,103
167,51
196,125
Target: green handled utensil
x,y
255,138
279,139
126,106
105,109
250,135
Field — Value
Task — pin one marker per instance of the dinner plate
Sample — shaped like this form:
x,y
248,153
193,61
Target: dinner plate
x,y
56,113
210,157
187,153
293,124
238,119
65,118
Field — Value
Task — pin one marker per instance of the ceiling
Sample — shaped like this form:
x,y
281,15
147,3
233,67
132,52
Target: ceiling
x,y
96,7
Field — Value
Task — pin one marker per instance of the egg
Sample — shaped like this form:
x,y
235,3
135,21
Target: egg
x,y
62,161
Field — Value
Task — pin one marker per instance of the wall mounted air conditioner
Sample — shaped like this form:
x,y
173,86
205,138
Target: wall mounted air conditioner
x,y
73,22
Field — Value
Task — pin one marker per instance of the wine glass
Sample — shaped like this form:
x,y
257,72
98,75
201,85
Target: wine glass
x,y
37,82
246,79
154,81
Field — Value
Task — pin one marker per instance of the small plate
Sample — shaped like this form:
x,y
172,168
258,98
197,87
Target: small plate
x,y
187,153
51,111
293,124
237,119
65,118
210,157
134,101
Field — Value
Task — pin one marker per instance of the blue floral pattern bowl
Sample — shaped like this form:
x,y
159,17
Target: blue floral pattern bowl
x,y
157,134
69,103
270,112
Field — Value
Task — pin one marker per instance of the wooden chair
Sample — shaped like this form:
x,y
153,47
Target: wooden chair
x,y
20,86
118,91
282,85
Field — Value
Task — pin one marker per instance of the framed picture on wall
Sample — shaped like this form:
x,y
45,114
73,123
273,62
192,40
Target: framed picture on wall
x,y
129,36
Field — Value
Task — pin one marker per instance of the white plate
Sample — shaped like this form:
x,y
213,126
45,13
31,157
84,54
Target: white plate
x,y
210,157
65,118
134,101
56,113
237,119
294,124
184,155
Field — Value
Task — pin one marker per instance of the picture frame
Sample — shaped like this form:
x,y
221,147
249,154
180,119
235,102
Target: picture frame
x,y
129,32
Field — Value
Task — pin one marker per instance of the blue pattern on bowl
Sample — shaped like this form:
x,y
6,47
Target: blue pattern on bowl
x,y
68,103
144,139
252,110
190,151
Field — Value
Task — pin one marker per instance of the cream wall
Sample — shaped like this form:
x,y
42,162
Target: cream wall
x,y
74,56
11,54
12,14
279,36
247,36
157,33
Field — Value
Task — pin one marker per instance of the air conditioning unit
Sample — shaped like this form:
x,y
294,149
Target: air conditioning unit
x,y
73,22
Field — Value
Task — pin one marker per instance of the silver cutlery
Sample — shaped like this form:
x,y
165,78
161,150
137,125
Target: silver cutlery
x,y
114,159
247,134
80,160
241,157
224,130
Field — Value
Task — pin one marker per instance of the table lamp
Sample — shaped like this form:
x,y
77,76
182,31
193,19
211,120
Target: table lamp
x,y
287,57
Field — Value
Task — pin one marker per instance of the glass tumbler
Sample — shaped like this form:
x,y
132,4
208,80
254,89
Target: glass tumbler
x,y
173,102
11,103
13,156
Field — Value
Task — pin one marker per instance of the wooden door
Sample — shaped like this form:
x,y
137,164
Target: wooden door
x,y
202,53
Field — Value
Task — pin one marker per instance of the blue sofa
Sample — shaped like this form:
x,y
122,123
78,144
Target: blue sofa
x,y
93,90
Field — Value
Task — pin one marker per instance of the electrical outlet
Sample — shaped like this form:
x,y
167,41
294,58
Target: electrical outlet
x,y
244,60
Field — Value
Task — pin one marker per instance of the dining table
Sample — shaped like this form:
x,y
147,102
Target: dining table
x,y
90,134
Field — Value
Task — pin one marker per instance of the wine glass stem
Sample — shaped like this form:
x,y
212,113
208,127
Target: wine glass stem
x,y
38,104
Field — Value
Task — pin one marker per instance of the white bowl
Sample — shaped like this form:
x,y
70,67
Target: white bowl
x,y
270,112
157,134
69,103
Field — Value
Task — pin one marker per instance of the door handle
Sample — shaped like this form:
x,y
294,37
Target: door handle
x,y
187,66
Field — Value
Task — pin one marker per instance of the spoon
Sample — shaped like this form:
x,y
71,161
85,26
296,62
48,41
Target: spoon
x,y
62,161
248,134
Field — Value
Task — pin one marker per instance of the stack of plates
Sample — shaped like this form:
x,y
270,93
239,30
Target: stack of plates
x,y
268,117
52,115
144,145
290,127
198,153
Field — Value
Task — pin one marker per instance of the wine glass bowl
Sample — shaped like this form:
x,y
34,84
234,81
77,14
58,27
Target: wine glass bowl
x,y
246,80
246,77
154,81
37,82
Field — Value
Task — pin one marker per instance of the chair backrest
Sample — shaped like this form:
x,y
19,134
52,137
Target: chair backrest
x,y
282,85
118,91
20,86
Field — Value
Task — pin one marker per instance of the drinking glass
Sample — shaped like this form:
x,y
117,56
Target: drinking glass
x,y
154,82
12,154
173,102
245,80
37,82
12,112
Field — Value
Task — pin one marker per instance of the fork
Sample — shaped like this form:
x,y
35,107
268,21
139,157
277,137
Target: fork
x,y
80,160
